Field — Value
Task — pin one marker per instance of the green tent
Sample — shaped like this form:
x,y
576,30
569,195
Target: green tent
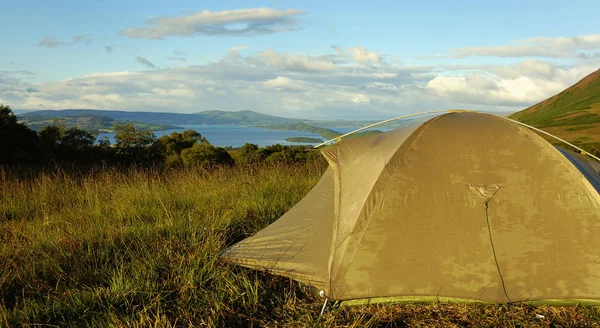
x,y
465,206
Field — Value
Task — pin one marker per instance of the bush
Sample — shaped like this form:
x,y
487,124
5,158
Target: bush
x,y
205,155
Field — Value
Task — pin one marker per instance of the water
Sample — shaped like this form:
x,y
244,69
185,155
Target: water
x,y
234,135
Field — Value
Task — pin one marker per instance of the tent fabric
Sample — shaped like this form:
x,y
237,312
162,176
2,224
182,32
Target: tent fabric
x,y
465,206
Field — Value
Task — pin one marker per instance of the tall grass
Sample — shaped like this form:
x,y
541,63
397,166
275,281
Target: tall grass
x,y
140,248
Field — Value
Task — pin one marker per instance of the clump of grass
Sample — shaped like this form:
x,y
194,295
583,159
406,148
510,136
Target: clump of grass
x,y
140,248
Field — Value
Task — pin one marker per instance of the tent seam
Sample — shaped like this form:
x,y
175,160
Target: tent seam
x,y
487,218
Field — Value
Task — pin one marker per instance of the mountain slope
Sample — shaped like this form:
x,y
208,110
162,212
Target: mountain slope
x,y
573,114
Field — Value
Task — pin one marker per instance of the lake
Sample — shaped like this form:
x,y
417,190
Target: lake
x,y
234,135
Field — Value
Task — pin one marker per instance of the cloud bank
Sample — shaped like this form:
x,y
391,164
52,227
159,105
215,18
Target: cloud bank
x,y
561,47
352,82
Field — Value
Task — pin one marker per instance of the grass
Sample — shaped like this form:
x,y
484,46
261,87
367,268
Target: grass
x,y
140,248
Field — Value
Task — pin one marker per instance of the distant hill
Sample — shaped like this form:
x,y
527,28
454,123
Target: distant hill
x,y
324,132
213,117
95,123
573,114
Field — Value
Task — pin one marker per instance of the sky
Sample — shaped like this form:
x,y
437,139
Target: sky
x,y
305,59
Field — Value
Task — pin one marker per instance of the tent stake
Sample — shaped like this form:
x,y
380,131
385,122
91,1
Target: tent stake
x,y
323,308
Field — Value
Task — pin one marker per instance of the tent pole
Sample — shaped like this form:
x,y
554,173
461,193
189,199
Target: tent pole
x,y
389,120
582,151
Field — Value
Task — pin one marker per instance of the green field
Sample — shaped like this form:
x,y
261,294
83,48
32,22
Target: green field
x,y
139,248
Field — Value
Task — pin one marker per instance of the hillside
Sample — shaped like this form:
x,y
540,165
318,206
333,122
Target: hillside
x,y
573,114
86,122
213,117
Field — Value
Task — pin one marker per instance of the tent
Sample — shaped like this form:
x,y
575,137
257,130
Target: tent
x,y
464,207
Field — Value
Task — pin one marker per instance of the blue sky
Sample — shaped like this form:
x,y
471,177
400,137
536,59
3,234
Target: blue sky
x,y
335,59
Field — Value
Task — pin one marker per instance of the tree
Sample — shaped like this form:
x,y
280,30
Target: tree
x,y
7,117
70,144
18,143
51,136
248,154
137,145
128,137
205,155
172,145
78,139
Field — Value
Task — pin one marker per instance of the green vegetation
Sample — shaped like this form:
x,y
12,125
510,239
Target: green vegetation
x,y
579,128
138,248
251,154
304,139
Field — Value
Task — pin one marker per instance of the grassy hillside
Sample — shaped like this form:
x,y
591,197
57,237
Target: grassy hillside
x,y
573,114
139,248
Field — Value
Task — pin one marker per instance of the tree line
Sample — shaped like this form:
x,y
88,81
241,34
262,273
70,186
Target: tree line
x,y
56,144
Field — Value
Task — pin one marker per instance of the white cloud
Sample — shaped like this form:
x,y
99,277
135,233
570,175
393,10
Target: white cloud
x,y
358,54
561,47
360,98
382,86
285,83
239,22
234,53
109,74
145,62
291,62
385,75
518,85
591,41
51,42
364,56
